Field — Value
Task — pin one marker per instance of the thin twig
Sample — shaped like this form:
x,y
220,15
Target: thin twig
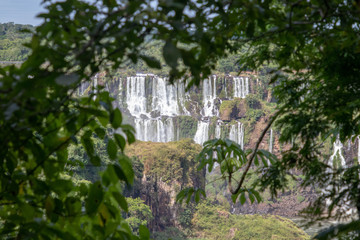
x,y
252,156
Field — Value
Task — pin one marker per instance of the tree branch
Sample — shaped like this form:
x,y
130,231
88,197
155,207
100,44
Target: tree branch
x,y
252,156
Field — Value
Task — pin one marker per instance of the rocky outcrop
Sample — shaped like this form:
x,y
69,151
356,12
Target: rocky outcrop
x,y
168,168
233,109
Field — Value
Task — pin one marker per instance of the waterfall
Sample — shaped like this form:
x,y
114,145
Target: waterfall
x,y
154,130
153,104
202,132
164,97
95,84
241,87
237,134
135,95
337,152
120,94
271,141
358,153
218,130
209,97
82,88
226,93
181,96
338,146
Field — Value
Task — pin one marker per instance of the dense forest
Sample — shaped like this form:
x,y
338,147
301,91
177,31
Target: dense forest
x,y
12,38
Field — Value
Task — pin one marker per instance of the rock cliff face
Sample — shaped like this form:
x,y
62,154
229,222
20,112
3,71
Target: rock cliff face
x,y
168,168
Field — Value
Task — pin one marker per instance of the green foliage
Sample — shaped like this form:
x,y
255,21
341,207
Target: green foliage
x,y
300,198
188,126
138,214
170,233
226,107
12,38
173,161
214,222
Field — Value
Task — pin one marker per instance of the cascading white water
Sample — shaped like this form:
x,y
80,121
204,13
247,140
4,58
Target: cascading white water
x,y
154,130
153,109
95,84
241,87
358,154
236,134
337,152
135,95
218,130
181,96
83,87
271,141
209,97
164,98
338,146
226,92
202,132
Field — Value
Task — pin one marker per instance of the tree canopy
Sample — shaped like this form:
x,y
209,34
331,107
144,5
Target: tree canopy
x,y
312,46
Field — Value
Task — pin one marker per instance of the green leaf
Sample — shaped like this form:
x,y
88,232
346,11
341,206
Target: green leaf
x,y
185,193
257,196
129,132
73,205
256,160
95,160
197,196
100,132
111,149
251,197
120,140
88,144
116,118
124,171
234,197
49,205
144,233
171,54
151,62
120,200
103,120
95,197
250,29
189,194
242,198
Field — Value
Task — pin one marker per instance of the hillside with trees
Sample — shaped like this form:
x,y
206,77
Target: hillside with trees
x,y
12,38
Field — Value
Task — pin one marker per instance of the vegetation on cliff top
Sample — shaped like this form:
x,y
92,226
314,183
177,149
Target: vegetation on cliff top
x,y
214,222
173,161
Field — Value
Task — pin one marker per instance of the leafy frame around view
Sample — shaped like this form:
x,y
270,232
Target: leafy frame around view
x,y
40,115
